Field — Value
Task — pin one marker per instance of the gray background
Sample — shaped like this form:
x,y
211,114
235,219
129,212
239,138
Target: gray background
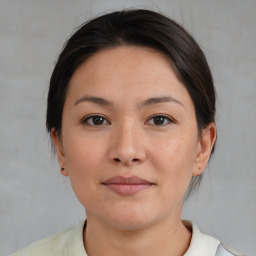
x,y
35,200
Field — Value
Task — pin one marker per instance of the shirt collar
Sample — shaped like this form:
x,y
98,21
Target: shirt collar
x,y
75,245
200,244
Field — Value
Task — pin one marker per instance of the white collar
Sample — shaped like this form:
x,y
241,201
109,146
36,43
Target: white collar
x,y
201,244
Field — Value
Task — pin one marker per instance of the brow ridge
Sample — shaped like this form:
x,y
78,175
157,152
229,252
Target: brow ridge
x,y
147,102
94,99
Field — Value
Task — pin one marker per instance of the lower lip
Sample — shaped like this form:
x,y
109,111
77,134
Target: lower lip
x,y
127,189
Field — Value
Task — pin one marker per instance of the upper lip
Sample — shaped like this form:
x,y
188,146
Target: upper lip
x,y
132,180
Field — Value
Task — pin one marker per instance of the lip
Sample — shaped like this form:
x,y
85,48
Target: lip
x,y
127,186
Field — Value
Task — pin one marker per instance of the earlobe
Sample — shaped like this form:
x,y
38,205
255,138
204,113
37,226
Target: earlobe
x,y
59,151
206,144
64,172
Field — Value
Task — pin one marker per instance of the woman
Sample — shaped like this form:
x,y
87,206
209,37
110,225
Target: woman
x,y
131,110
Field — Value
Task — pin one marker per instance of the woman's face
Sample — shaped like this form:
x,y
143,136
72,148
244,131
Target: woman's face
x,y
129,139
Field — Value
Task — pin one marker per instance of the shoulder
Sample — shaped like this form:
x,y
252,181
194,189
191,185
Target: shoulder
x,y
58,244
202,244
226,251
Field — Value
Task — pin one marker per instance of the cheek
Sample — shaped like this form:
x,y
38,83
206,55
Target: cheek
x,y
84,160
175,153
175,162
84,157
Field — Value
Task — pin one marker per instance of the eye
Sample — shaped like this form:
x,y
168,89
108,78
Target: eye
x,y
95,120
160,120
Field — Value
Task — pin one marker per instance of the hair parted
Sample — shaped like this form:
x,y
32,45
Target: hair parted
x,y
136,27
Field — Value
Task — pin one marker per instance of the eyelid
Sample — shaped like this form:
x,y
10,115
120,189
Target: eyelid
x,y
170,119
87,117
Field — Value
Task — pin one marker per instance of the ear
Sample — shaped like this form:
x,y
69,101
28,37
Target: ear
x,y
56,138
205,146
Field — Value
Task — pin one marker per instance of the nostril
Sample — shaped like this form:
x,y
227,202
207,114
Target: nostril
x,y
133,160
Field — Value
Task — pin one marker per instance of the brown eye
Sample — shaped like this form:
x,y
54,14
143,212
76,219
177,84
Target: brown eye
x,y
160,120
95,120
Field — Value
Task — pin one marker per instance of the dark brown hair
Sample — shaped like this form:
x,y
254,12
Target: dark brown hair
x,y
137,28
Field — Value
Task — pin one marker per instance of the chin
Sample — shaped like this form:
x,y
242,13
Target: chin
x,y
129,224
130,218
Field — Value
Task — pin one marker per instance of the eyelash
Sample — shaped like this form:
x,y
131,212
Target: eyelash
x,y
169,119
87,118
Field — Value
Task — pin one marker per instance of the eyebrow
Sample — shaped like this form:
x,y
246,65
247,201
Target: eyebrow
x,y
96,100
157,100
147,102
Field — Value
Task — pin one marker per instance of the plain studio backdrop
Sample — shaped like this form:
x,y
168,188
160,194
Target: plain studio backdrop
x,y
36,201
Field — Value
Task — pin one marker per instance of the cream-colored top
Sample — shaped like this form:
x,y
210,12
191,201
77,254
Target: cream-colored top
x,y
70,243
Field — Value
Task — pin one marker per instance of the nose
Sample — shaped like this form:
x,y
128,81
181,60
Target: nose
x,y
127,145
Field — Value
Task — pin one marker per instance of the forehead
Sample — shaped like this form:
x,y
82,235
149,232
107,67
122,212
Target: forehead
x,y
126,71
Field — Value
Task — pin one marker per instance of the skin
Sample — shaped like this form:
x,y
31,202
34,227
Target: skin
x,y
129,142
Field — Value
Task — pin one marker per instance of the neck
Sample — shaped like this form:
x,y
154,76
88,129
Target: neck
x,y
168,237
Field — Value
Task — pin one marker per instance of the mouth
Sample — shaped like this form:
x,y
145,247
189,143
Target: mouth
x,y
127,186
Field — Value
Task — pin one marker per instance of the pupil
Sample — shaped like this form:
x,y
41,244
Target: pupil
x,y
159,120
98,120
